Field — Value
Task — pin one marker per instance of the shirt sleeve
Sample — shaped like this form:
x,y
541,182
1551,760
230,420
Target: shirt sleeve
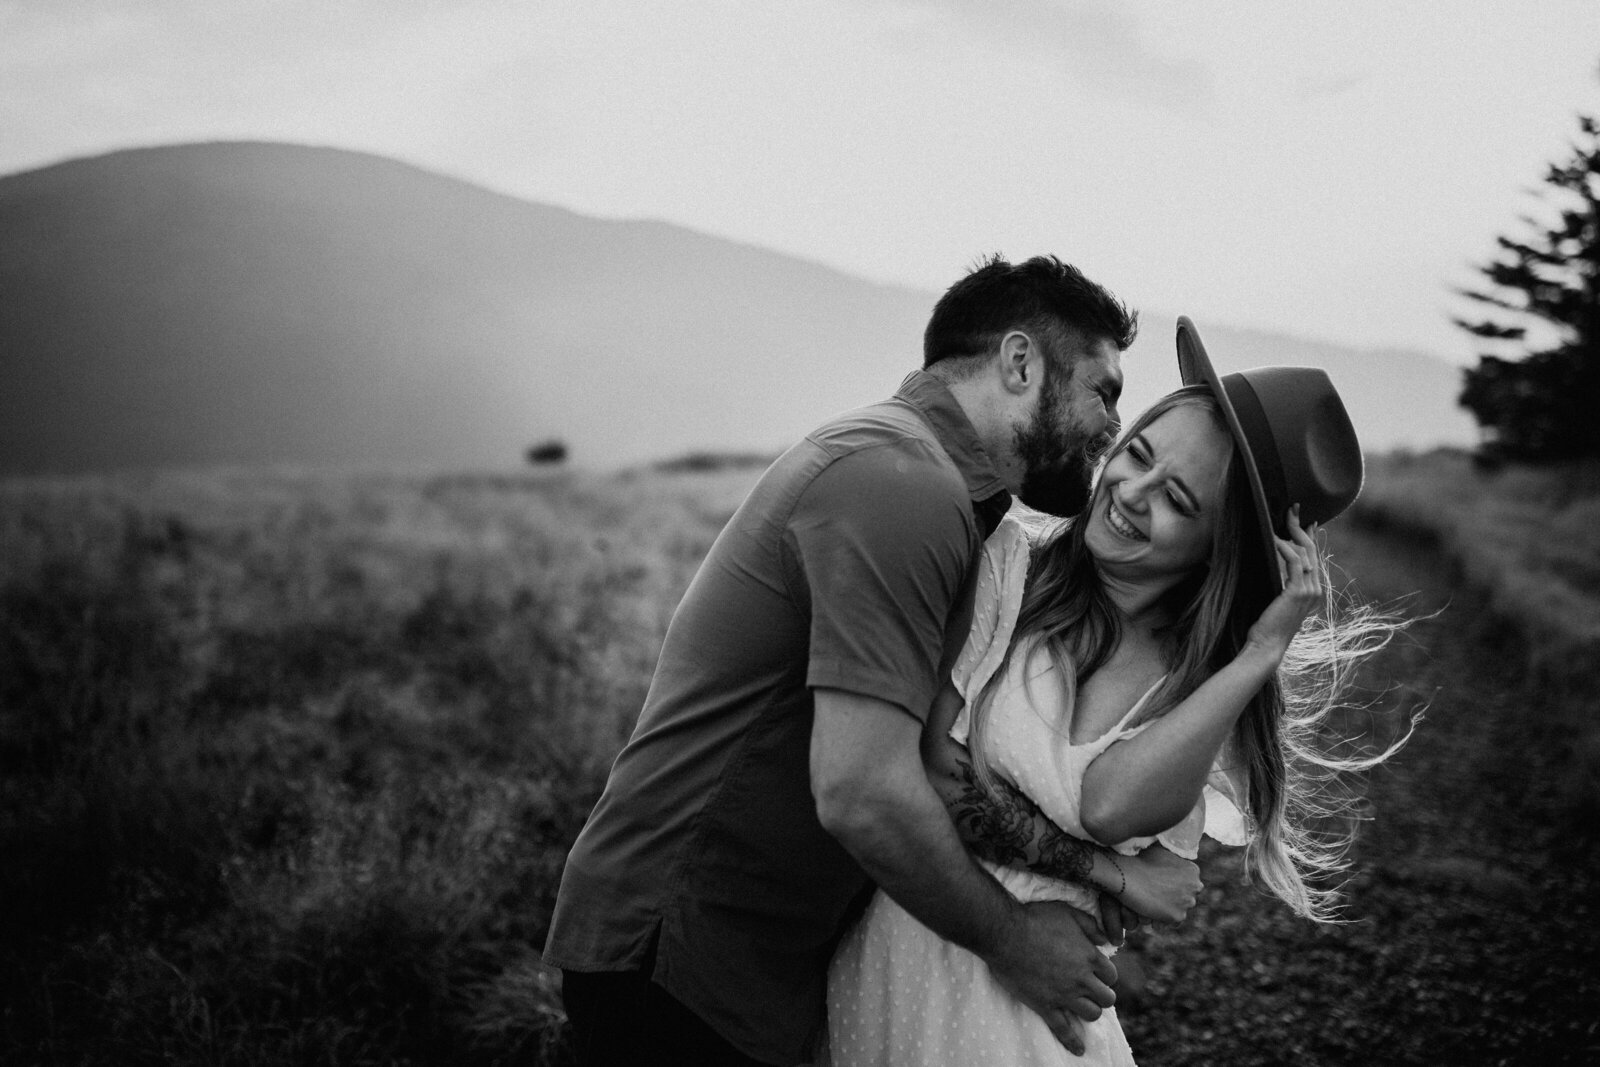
x,y
884,538
1225,818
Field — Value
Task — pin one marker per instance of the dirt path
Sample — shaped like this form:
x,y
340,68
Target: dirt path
x,y
1474,938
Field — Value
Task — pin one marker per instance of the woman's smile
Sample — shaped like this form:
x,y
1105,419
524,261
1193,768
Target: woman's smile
x,y
1120,524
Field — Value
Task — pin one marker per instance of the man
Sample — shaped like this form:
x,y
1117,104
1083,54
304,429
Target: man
x,y
774,775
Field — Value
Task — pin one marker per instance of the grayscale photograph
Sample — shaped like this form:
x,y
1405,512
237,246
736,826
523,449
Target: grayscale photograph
x,y
865,533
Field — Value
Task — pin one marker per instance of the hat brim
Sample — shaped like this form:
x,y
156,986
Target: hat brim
x,y
1195,368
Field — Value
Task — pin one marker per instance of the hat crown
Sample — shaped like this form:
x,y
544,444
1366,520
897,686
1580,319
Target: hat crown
x,y
1301,439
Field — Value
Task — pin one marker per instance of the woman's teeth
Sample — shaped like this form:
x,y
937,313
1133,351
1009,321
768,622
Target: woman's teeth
x,y
1120,524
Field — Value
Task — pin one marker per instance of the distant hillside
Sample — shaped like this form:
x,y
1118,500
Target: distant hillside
x,y
1397,398
263,303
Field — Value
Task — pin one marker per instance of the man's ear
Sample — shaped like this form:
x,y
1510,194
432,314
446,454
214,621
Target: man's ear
x,y
1021,362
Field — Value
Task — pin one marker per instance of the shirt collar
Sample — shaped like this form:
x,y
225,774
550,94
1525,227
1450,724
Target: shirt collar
x,y
933,399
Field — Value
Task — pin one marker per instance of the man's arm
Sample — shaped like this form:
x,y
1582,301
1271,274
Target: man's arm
x,y
872,794
1007,828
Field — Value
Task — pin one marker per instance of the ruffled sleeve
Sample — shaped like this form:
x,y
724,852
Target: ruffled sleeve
x,y
1225,820
1215,815
1002,573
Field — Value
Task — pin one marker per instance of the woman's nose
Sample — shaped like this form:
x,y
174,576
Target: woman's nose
x,y
1131,492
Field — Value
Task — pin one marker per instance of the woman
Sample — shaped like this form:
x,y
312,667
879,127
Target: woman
x,y
1150,679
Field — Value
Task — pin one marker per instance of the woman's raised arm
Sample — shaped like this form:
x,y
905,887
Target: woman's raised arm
x,y
1147,783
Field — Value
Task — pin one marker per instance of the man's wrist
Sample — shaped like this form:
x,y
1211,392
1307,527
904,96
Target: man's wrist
x,y
1007,931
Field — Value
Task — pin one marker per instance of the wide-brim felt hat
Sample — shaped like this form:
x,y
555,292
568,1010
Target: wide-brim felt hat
x,y
1292,432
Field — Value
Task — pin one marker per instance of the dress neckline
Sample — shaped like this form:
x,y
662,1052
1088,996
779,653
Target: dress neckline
x,y
1121,724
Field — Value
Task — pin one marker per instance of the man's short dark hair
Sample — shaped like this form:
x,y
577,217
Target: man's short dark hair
x,y
1043,295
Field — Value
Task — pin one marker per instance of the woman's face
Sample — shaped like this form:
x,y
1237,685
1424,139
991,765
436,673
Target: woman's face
x,y
1154,513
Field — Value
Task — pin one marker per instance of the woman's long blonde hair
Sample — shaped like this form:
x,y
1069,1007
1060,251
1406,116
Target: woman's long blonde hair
x,y
1285,750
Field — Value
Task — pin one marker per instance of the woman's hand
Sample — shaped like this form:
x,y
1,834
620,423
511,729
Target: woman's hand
x,y
1300,565
1162,886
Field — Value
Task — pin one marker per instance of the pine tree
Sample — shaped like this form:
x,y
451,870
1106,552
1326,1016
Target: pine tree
x,y
1546,405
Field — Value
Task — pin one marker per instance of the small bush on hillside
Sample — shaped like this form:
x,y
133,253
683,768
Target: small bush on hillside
x,y
701,462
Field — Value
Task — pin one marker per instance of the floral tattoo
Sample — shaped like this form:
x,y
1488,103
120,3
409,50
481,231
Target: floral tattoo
x,y
1006,827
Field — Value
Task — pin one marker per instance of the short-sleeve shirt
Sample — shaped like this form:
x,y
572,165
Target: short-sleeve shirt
x,y
704,862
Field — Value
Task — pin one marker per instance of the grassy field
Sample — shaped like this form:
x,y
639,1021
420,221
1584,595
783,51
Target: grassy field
x,y
288,765
1527,538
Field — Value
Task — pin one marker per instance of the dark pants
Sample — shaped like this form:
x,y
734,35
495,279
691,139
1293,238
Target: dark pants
x,y
622,1019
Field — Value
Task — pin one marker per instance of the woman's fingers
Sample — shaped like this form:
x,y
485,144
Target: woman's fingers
x,y
1288,560
1292,556
1302,543
1298,566
1299,534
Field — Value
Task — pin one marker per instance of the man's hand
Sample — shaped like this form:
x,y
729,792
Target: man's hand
x,y
1162,886
1117,919
1051,964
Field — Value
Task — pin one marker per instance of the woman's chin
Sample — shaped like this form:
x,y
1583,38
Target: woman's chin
x,y
1108,550
1106,544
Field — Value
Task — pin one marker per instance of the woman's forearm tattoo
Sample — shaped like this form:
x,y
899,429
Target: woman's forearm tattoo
x,y
1007,828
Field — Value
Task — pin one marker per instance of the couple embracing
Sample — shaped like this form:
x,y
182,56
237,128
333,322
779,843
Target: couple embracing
x,y
912,760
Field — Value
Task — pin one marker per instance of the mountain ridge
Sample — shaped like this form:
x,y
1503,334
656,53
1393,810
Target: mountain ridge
x,y
242,303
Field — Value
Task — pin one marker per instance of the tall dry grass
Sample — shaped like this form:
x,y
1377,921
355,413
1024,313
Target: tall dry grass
x,y
289,764
1525,544
1527,536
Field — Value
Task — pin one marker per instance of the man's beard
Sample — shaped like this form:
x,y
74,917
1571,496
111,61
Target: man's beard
x,y
1057,465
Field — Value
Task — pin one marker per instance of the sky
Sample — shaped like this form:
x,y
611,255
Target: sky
x,y
1331,170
